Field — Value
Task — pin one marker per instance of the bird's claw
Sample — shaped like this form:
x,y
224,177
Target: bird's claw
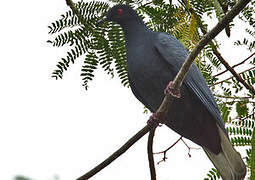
x,y
153,120
169,90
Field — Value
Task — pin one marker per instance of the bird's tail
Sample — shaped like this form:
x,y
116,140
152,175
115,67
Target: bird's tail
x,y
228,162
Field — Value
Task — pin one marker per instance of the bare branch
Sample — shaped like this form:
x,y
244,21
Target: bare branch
x,y
241,118
117,153
233,76
165,151
233,97
150,154
238,64
189,148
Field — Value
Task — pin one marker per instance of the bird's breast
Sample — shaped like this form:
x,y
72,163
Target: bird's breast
x,y
148,76
140,62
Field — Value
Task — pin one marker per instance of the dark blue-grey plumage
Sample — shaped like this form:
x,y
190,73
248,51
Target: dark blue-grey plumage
x,y
153,59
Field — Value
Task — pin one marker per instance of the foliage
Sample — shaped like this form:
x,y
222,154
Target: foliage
x,y
102,45
212,175
187,20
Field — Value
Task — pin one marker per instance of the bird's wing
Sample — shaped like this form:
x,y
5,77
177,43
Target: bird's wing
x,y
172,51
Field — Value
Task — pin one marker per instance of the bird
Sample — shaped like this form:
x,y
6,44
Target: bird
x,y
153,60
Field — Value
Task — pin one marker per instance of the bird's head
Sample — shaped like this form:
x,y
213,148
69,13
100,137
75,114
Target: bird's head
x,y
119,14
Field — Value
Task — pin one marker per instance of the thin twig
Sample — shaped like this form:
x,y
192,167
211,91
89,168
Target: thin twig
x,y
168,99
232,97
169,146
150,154
233,76
165,151
189,148
241,118
236,101
235,65
117,153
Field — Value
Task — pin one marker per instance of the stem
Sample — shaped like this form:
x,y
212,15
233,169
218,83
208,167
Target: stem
x,y
233,76
233,97
164,152
150,154
235,65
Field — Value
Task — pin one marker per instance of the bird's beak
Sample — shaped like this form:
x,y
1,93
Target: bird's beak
x,y
101,21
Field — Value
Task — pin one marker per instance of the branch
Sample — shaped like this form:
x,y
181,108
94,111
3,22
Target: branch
x,y
168,99
240,118
201,44
234,76
219,56
117,153
150,154
189,148
233,97
165,151
236,101
235,65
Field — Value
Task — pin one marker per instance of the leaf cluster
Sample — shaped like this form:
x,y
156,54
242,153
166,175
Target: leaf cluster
x,y
99,46
212,175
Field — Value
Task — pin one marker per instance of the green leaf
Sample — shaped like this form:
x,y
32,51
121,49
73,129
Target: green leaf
x,y
241,108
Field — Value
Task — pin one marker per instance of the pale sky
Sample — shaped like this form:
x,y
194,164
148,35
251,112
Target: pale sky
x,y
50,127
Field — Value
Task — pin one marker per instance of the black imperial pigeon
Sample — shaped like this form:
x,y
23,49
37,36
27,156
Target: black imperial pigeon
x,y
153,60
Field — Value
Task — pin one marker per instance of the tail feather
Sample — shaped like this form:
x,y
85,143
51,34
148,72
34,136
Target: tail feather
x,y
228,162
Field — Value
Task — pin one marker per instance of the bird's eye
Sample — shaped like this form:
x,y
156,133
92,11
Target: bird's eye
x,y
119,11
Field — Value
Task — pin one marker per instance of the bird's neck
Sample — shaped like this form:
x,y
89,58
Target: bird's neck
x,y
134,29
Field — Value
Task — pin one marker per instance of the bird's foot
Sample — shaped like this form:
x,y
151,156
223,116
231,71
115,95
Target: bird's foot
x,y
153,120
169,90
